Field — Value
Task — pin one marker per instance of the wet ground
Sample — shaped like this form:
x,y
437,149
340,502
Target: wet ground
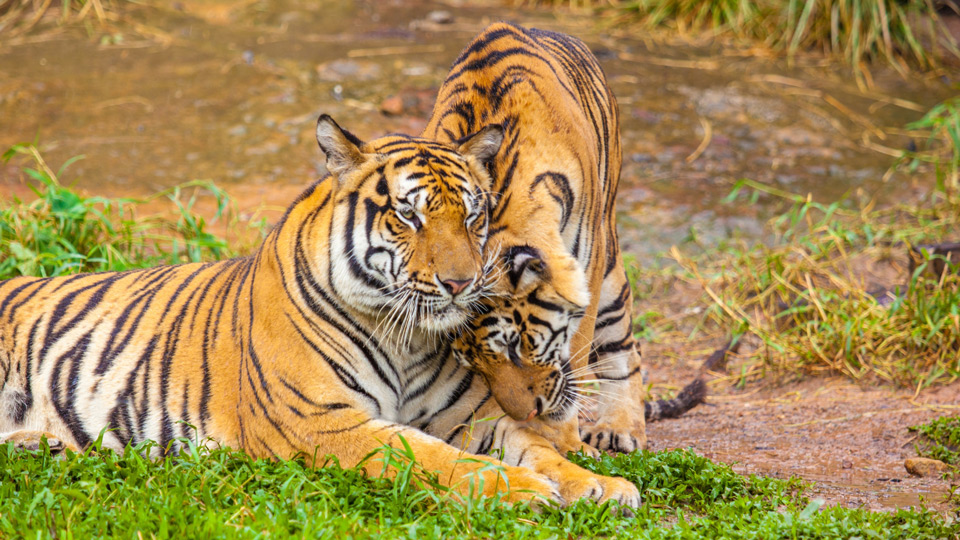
x,y
230,91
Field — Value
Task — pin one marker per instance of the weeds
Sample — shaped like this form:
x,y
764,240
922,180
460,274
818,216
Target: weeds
x,y
845,287
820,301
63,232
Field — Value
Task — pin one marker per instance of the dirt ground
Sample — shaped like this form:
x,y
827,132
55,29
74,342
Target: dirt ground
x,y
849,439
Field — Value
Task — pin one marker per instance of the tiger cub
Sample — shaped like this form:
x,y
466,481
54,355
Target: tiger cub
x,y
563,313
325,341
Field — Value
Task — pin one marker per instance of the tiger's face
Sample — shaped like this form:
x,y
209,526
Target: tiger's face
x,y
520,341
410,227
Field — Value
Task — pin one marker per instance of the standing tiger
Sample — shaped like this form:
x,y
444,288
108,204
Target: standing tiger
x,y
563,312
327,340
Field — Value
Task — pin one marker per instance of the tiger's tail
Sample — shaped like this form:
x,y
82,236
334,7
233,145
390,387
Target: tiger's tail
x,y
692,394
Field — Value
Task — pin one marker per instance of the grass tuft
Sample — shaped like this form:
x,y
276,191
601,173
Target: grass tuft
x,y
898,32
817,297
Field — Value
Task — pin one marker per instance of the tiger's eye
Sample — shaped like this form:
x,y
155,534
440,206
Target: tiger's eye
x,y
406,213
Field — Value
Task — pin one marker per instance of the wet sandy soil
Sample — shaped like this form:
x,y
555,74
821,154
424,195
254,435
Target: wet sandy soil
x,y
230,91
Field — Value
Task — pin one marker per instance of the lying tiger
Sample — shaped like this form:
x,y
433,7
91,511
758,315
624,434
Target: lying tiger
x,y
325,340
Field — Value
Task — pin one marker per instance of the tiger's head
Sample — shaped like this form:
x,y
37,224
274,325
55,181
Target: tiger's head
x,y
520,341
410,226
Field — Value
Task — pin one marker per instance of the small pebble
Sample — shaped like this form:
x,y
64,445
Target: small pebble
x,y
440,17
392,106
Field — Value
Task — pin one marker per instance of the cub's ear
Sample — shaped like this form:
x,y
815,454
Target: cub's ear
x,y
483,144
526,268
341,147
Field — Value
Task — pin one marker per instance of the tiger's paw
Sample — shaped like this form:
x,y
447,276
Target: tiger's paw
x,y
601,489
32,441
526,485
615,438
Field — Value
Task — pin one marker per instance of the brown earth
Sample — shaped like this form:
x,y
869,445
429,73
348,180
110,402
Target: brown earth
x,y
850,438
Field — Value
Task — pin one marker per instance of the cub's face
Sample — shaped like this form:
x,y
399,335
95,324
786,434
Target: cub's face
x,y
520,342
410,227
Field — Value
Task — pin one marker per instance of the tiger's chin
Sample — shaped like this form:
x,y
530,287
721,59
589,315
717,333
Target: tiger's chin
x,y
446,319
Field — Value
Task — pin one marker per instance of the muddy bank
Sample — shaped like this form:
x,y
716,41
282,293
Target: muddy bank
x,y
229,91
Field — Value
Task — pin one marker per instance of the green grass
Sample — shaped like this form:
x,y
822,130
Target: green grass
x,y
940,128
940,439
218,493
62,231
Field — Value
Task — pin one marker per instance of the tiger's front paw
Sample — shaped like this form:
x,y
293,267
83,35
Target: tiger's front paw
x,y
526,485
601,489
615,438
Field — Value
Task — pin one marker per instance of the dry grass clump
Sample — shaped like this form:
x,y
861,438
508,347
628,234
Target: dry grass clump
x,y
17,17
818,303
898,32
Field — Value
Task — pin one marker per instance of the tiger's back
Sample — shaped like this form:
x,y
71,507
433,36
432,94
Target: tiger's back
x,y
562,135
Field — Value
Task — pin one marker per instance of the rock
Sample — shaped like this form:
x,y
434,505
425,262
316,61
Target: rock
x,y
348,70
440,17
925,467
392,106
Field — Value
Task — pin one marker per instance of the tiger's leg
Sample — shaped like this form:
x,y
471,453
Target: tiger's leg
x,y
532,445
526,447
31,440
354,437
614,360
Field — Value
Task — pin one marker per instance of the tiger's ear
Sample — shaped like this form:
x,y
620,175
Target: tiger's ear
x,y
526,268
341,147
483,144
529,268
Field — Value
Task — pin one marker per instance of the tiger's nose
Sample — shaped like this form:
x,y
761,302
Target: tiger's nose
x,y
454,286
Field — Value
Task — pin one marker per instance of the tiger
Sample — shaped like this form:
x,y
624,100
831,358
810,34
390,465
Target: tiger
x,y
327,340
563,313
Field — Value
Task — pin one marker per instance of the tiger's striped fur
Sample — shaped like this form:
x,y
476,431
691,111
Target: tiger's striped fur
x,y
326,340
564,312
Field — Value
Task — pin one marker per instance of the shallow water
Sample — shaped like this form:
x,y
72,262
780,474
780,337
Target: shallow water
x,y
230,91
